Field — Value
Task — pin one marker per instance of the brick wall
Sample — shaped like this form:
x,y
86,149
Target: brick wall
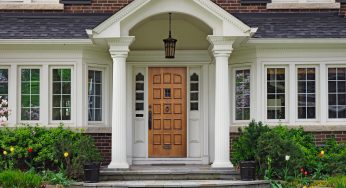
x,y
103,142
232,6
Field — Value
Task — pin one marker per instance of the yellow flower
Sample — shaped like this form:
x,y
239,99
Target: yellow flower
x,y
4,152
66,154
322,152
305,186
12,149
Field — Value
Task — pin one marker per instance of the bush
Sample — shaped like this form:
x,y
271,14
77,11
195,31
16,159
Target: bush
x,y
245,147
39,148
11,179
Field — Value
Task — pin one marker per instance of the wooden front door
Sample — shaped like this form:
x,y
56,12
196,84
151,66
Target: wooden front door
x,y
167,112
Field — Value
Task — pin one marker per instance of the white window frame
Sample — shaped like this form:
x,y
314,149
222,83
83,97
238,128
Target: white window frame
x,y
327,92
103,96
233,86
19,94
287,77
73,107
317,92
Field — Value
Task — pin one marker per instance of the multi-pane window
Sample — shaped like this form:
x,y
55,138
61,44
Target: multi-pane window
x,y
30,94
139,104
194,92
337,93
95,95
4,83
61,94
306,93
242,94
276,93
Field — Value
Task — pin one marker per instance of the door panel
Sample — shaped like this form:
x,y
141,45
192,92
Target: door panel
x,y
167,112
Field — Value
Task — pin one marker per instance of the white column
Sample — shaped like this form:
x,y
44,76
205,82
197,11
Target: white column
x,y
119,48
221,49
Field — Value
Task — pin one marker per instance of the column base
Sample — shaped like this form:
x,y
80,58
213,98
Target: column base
x,y
222,165
114,165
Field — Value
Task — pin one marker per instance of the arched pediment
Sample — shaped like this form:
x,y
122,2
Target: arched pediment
x,y
220,21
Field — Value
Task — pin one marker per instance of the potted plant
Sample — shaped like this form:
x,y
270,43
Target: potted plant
x,y
91,158
245,148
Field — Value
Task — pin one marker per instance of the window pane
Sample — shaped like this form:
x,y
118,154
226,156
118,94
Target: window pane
x,y
306,93
95,95
276,93
242,97
194,92
336,92
61,94
30,94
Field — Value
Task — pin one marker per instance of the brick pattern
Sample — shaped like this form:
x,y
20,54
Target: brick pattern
x,y
103,143
232,6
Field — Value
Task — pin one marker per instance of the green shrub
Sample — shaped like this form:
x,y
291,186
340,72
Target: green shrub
x,y
13,179
245,147
56,178
41,148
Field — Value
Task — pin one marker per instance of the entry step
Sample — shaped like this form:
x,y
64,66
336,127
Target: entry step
x,y
180,183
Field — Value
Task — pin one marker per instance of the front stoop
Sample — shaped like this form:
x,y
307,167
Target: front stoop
x,y
181,183
173,176
182,172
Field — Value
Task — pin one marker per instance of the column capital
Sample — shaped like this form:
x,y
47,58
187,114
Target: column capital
x,y
119,46
221,45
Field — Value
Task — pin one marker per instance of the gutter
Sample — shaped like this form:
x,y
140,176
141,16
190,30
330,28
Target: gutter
x,y
47,41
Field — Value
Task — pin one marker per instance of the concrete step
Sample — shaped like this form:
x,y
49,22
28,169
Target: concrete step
x,y
180,183
189,172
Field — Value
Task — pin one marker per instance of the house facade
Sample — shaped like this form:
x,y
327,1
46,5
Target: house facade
x,y
100,66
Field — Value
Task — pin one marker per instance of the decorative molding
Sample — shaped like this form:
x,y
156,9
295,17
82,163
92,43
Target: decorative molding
x,y
214,8
221,44
185,56
119,46
297,41
31,6
46,41
303,6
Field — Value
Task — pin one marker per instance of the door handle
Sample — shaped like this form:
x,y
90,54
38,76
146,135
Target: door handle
x,y
150,120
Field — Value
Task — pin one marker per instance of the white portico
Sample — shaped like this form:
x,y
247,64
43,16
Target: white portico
x,y
144,102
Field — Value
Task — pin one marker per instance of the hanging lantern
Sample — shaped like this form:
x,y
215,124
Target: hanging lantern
x,y
170,42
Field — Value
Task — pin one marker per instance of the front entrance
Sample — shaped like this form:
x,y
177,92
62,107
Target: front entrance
x,y
167,112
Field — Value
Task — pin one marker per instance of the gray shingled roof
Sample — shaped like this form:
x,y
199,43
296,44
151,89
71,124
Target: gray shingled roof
x,y
73,26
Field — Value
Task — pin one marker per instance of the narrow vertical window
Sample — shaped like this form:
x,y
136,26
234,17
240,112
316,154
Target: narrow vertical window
x,y
306,93
30,94
4,84
276,93
337,93
194,92
139,104
242,94
95,95
61,94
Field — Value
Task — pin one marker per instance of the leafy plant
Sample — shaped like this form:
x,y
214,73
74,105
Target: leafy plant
x,y
18,179
56,178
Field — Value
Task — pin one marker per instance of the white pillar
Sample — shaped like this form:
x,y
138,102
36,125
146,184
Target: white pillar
x,y
221,49
119,48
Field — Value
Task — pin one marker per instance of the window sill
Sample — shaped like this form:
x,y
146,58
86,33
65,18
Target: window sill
x,y
30,6
303,6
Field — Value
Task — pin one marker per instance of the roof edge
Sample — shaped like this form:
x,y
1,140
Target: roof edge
x,y
47,41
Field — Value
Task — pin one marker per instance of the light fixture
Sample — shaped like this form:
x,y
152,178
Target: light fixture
x,y
170,42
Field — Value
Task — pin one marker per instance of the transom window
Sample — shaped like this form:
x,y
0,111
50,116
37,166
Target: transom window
x,y
306,93
242,94
276,93
95,95
61,94
337,93
30,94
